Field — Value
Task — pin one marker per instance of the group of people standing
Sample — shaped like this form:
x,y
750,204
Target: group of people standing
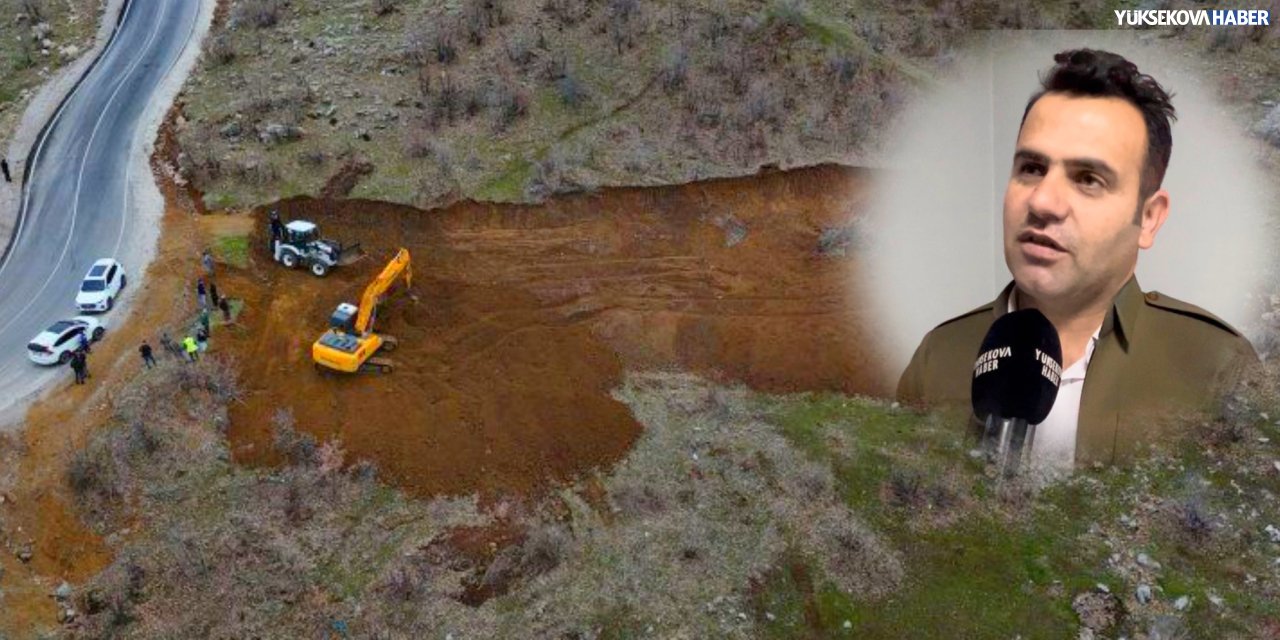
x,y
197,342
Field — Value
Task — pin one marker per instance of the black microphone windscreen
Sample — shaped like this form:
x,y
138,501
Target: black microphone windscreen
x,y
1018,369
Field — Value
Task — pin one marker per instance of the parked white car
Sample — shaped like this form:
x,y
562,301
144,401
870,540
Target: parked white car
x,y
101,286
56,344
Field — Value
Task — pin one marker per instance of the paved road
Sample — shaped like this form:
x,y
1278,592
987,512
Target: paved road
x,y
77,203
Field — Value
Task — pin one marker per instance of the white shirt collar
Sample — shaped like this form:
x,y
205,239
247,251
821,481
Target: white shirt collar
x,y
1088,352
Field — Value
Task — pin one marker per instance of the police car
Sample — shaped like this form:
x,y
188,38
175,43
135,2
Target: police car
x,y
56,344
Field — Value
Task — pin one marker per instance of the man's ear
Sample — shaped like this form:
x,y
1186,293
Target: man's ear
x,y
1151,217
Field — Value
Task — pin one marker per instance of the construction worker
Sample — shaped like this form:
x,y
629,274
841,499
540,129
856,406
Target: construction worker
x,y
189,345
202,339
200,293
147,358
206,259
277,229
213,292
225,307
204,320
80,366
168,345
83,344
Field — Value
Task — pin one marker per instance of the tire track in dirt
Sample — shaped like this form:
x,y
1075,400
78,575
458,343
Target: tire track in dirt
x,y
524,317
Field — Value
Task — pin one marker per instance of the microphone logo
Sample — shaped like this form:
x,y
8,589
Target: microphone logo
x,y
1015,382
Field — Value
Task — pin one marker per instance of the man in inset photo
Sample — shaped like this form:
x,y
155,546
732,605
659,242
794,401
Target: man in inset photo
x,y
1084,195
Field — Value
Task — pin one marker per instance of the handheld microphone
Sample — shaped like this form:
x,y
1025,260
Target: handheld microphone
x,y
1015,381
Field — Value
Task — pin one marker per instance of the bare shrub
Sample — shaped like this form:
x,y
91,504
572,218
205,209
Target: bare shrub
x,y
856,560
571,90
702,104
623,23
675,71
1195,523
763,106
544,549
313,159
34,9
479,16
448,100
221,49
296,509
385,7
844,68
635,501
402,584
297,447
567,12
519,53
716,29
262,14
330,458
418,143
442,45
143,439
736,66
93,471
555,67
508,105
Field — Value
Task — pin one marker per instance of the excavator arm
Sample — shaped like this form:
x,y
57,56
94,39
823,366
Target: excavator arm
x,y
374,293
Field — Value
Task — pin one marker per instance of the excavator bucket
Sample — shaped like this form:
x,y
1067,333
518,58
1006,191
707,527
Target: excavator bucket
x,y
350,255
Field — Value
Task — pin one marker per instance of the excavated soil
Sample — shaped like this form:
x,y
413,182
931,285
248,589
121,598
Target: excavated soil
x,y
522,318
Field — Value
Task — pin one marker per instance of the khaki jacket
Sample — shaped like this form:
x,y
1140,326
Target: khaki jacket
x,y
1156,357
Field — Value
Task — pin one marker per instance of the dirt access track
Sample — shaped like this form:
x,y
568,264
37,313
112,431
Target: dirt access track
x,y
523,318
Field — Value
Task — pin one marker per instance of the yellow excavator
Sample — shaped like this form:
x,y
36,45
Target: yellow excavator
x,y
350,343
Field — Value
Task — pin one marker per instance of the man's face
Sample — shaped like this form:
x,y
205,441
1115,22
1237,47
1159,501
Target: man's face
x,y
1069,232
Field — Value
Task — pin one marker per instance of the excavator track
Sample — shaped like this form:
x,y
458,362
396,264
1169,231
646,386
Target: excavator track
x,y
378,365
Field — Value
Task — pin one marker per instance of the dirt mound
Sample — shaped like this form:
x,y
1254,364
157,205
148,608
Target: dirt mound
x,y
524,317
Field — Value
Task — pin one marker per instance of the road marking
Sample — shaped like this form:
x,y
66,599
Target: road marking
x,y
75,202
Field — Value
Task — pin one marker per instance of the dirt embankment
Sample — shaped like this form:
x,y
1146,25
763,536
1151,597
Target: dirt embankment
x,y
524,317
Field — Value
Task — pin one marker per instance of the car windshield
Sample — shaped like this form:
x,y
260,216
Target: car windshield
x,y
59,327
97,270
94,285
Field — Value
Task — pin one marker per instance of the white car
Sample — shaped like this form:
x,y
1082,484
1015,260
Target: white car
x,y
101,286
56,344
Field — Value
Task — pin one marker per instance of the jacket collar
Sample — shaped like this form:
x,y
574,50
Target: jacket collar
x,y
1122,319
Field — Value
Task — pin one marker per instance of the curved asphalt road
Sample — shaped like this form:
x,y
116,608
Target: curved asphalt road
x,y
77,202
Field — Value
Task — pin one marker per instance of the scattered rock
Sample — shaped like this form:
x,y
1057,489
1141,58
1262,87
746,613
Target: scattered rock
x,y
1166,627
1143,594
231,130
1182,603
63,592
274,133
1145,560
1269,127
1214,599
1098,611
1272,532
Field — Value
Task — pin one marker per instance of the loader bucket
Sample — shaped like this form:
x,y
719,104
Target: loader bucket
x,y
351,254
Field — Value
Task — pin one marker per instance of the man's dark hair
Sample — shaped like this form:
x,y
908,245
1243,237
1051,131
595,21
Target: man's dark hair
x,y
1094,73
